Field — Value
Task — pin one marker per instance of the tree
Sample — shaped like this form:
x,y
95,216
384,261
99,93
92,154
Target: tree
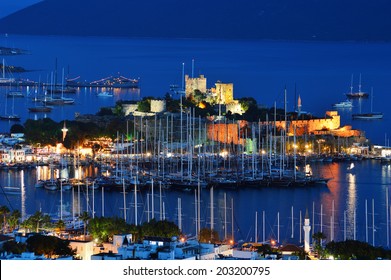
x,y
13,220
160,228
37,221
17,128
118,109
49,246
60,225
84,217
103,228
208,236
14,247
318,238
357,250
4,211
144,105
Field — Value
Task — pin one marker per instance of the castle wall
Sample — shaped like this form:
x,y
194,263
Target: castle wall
x,y
226,133
192,84
129,108
224,93
234,107
158,106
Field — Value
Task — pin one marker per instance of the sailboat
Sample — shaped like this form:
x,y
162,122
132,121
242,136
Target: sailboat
x,y
359,93
38,109
11,117
368,116
58,100
3,79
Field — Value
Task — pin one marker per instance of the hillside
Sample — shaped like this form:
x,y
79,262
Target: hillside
x,y
229,19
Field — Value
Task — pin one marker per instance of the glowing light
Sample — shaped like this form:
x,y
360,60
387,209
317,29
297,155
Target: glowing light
x,y
64,132
223,154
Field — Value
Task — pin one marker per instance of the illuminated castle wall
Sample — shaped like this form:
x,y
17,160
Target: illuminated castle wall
x,y
192,84
158,106
235,132
329,125
227,133
224,92
310,126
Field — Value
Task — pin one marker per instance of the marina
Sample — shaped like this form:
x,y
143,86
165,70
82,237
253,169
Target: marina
x,y
222,174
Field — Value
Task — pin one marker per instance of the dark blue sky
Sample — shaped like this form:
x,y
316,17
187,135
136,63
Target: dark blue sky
x,y
9,6
327,20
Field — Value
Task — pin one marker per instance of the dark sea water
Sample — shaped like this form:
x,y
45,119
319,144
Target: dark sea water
x,y
320,72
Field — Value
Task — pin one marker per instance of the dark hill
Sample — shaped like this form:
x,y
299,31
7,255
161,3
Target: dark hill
x,y
231,19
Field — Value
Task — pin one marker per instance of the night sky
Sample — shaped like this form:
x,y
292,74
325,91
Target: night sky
x,y
360,20
9,6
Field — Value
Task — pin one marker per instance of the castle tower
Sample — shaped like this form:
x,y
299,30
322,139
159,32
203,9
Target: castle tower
x,y
307,229
192,84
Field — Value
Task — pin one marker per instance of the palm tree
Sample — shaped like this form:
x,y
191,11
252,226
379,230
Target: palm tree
x,y
13,219
60,225
318,237
85,218
4,210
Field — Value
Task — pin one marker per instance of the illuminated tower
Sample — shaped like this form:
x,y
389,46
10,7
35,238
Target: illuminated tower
x,y
307,229
299,105
64,132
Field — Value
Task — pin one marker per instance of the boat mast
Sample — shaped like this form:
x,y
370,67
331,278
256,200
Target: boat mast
x,y
211,211
61,200
387,220
180,214
256,227
232,220
373,222
93,199
292,234
366,221
195,214
351,85
103,201
278,227
135,203
225,216
124,197
152,202
263,226
160,201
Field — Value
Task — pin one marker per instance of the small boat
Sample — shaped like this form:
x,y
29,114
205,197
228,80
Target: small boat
x,y
11,190
61,89
15,93
343,104
105,94
38,109
40,184
358,94
50,185
58,101
368,116
12,117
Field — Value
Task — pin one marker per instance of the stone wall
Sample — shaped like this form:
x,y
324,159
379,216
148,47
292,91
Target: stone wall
x,y
129,109
224,93
235,107
158,106
192,84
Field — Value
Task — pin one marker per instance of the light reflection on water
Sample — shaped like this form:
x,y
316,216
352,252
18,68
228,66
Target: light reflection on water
x,y
347,192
